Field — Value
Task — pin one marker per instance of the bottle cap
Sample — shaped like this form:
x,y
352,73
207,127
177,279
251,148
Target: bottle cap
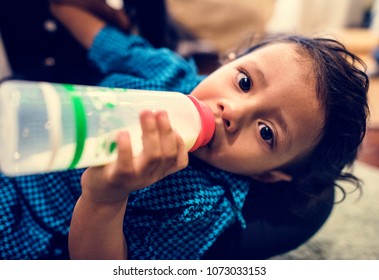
x,y
207,124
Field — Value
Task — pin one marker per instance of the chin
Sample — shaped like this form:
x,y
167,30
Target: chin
x,y
199,153
202,153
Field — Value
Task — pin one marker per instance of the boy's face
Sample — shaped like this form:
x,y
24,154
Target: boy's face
x,y
266,110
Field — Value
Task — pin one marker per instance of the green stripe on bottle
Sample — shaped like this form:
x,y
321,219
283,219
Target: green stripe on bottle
x,y
80,123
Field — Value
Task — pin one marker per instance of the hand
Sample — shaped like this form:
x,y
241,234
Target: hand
x,y
163,153
99,8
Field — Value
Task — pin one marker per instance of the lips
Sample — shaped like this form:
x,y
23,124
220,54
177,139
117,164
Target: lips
x,y
214,136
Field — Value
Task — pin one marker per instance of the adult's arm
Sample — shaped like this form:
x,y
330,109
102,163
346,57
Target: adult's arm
x,y
125,58
83,25
111,14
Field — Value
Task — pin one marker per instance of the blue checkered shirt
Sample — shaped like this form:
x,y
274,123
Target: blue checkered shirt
x,y
178,217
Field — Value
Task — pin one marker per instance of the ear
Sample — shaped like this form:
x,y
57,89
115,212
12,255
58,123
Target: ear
x,y
273,176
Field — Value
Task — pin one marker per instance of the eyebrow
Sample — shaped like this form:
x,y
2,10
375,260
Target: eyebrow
x,y
258,72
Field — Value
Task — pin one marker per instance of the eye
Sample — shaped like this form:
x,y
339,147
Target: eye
x,y
266,133
244,82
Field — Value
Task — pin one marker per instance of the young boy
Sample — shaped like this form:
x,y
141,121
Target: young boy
x,y
290,109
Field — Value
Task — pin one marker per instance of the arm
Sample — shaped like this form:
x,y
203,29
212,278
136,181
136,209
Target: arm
x,y
134,61
112,15
96,230
97,222
83,25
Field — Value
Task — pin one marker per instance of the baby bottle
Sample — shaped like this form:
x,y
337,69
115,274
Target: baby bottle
x,y
50,127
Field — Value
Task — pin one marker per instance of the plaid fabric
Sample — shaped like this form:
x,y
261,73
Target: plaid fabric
x,y
129,61
181,216
177,218
35,213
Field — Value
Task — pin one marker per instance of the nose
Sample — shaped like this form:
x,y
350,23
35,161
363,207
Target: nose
x,y
232,114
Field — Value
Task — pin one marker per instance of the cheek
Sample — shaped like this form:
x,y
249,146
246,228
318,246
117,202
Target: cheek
x,y
240,159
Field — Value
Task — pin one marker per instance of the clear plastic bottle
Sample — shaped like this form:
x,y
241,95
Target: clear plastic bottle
x,y
50,127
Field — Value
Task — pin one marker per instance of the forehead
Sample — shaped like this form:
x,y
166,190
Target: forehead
x,y
281,60
282,65
281,52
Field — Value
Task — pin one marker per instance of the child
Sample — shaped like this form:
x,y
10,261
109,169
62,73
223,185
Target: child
x,y
289,109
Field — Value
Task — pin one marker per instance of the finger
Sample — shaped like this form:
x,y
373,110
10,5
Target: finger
x,y
88,176
150,134
167,135
124,150
182,156
124,162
